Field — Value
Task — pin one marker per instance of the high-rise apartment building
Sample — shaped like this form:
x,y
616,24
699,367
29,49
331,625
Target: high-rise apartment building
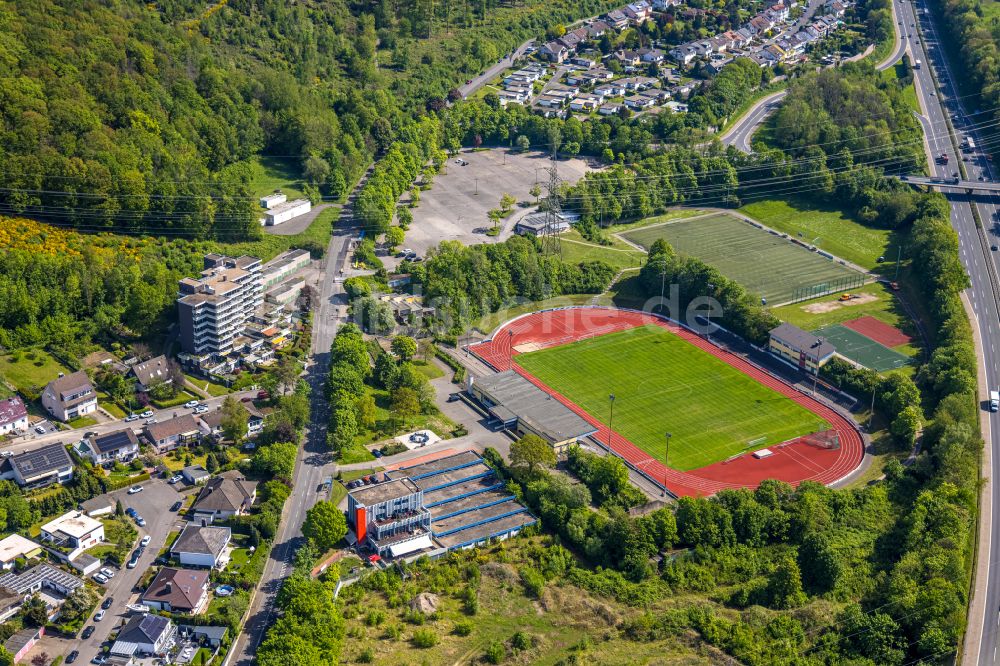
x,y
213,309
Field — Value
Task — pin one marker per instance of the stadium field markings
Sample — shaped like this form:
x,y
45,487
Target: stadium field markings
x,y
764,263
664,384
862,349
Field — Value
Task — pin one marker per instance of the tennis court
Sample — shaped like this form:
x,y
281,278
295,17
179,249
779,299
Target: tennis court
x,y
764,263
862,349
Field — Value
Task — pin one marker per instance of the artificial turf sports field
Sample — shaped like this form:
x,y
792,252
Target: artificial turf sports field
x,y
762,262
664,384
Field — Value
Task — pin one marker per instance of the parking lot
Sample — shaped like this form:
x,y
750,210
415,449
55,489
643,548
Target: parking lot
x,y
153,504
455,206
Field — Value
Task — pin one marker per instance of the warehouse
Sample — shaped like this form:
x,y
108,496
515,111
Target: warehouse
x,y
283,212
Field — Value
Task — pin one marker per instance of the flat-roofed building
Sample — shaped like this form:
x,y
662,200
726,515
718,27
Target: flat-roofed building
x,y
390,517
214,308
74,532
286,211
524,408
16,546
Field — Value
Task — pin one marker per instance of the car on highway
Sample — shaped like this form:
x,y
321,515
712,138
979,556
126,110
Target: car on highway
x,y
147,414
71,657
99,616
134,489
993,247
107,603
145,541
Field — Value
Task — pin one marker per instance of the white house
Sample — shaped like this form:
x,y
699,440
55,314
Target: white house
x,y
118,446
15,546
144,634
224,496
70,396
202,546
75,531
177,590
13,415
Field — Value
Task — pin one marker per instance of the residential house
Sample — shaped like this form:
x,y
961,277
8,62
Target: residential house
x,y
195,475
572,40
664,5
224,496
118,446
617,19
638,103
72,533
70,396
16,547
779,11
836,8
39,467
21,642
172,433
144,635
206,635
684,54
57,583
255,419
202,546
654,56
638,11
213,424
610,109
13,415
627,58
10,604
554,52
597,29
584,103
150,373
177,590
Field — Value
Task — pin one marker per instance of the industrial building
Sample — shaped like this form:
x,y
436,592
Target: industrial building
x,y
522,407
431,508
213,309
285,211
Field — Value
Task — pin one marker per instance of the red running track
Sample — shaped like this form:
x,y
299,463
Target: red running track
x,y
794,462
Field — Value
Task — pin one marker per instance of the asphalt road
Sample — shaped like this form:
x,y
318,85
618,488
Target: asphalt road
x,y
494,70
313,461
939,105
741,134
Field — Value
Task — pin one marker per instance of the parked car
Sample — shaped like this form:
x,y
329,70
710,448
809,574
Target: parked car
x,y
131,417
146,414
107,603
175,478
131,512
134,489
150,421
145,541
40,430
176,506
99,616
71,657
107,572
377,453
87,633
100,578
133,563
140,521
99,660
201,409
191,404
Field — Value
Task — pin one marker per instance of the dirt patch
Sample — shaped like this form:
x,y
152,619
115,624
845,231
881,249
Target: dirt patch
x,y
830,306
499,571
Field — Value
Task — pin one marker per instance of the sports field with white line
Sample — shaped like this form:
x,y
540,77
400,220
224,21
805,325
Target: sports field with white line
x,y
664,384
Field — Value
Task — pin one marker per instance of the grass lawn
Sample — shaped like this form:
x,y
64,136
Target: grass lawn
x,y
274,173
428,369
175,463
239,557
827,228
212,388
34,367
103,550
178,400
664,384
112,408
385,428
269,246
356,453
82,422
764,263
909,92
576,249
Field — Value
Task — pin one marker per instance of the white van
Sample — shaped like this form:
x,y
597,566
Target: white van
x,y
994,400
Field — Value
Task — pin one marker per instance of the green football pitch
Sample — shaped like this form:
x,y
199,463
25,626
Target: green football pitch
x,y
664,384
764,263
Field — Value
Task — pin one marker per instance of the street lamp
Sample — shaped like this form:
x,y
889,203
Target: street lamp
x,y
708,315
666,456
819,341
611,419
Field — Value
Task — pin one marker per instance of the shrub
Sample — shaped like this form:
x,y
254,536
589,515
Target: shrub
x,y
375,618
367,656
425,638
520,641
495,652
463,628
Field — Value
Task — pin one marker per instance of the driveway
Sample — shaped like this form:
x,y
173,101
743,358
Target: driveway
x,y
297,225
153,504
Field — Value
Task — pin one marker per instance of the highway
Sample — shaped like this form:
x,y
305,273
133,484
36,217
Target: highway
x,y
939,104
951,183
741,134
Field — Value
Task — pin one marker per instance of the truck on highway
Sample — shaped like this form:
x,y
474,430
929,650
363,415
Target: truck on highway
x,y
916,64
969,144
994,400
